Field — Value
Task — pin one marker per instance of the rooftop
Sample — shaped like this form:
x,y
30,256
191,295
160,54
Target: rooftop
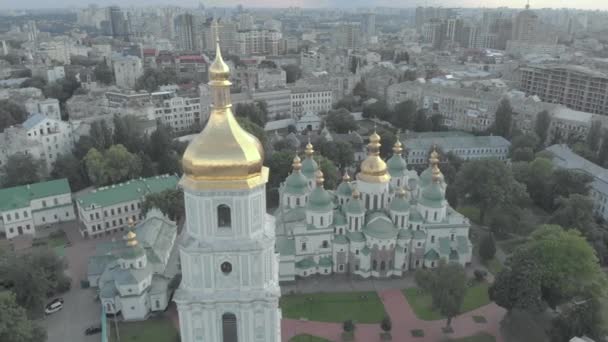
x,y
457,142
21,196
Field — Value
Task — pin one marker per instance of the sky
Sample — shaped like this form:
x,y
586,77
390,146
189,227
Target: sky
x,y
582,4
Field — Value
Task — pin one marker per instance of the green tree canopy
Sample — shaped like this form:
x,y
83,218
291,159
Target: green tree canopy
x,y
292,73
594,136
340,152
541,127
21,169
67,166
152,79
14,323
170,202
11,114
103,74
257,112
404,115
503,121
341,121
114,165
447,284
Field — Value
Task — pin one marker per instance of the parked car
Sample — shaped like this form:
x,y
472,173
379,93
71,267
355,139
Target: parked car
x,y
92,330
54,306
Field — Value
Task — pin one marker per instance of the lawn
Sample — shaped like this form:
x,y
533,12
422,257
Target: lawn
x,y
361,307
151,330
481,337
476,296
307,338
493,265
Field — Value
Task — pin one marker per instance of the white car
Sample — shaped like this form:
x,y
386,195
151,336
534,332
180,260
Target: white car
x,y
54,306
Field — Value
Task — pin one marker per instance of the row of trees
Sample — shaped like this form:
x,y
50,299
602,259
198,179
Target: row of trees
x,y
405,116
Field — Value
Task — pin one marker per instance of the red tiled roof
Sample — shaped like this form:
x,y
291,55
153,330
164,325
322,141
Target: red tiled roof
x,y
192,58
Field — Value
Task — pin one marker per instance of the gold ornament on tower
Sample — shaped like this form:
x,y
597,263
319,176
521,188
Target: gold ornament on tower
x,y
373,168
223,155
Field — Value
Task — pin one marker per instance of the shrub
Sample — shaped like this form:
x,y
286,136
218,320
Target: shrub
x,y
386,324
348,326
424,279
487,248
480,275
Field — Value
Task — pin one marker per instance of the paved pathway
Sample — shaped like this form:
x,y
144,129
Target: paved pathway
x,y
404,320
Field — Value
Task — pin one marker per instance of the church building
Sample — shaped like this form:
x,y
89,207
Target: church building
x,y
230,288
386,222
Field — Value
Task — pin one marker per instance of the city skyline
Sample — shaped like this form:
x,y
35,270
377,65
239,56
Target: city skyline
x,y
582,4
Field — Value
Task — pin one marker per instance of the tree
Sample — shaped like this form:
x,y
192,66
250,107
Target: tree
x,y
256,112
330,173
21,169
448,289
348,326
267,64
602,156
67,166
387,140
386,324
594,135
488,183
95,166
339,152
152,79
62,89
292,129
487,247
410,75
11,58
421,122
575,211
103,74
568,182
523,147
360,89
170,202
404,115
279,165
537,176
541,126
378,110
127,133
436,123
101,135
503,121
580,318
341,121
11,114
292,73
14,323
34,82
114,165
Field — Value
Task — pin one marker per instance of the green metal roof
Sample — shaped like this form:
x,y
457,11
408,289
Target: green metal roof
x,y
306,263
355,236
365,251
380,226
320,200
293,215
20,196
340,240
127,191
325,261
405,233
400,204
296,183
309,167
431,255
285,246
339,218
396,165
354,206
419,235
344,189
432,196
415,216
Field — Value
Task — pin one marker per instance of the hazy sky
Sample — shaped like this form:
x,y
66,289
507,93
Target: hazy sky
x,y
584,4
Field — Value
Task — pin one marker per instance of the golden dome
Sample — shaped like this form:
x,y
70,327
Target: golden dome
x,y
223,155
398,147
373,168
346,177
436,173
434,158
309,151
297,163
356,193
319,178
401,192
131,239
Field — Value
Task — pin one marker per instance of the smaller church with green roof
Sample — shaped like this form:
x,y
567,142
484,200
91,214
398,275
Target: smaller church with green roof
x,y
385,222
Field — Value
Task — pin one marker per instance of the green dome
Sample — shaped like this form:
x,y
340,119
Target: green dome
x,y
339,219
432,196
296,183
400,204
405,234
380,226
396,165
354,206
320,200
426,177
344,189
309,167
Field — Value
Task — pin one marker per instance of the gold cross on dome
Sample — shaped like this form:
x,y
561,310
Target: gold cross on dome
x,y
216,26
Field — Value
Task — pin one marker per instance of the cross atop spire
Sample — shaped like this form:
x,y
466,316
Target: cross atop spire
x,y
216,27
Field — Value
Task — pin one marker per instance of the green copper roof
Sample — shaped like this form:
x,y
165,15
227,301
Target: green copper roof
x,y
344,189
293,215
432,196
431,255
380,226
132,252
340,240
285,246
128,191
339,219
405,233
365,251
296,183
309,167
400,204
355,236
419,235
20,196
325,261
306,263
354,206
426,177
320,200
415,215
396,165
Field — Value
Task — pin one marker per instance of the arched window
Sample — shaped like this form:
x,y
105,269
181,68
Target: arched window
x,y
435,216
382,266
303,246
374,265
341,231
375,202
223,216
367,201
321,221
325,244
229,329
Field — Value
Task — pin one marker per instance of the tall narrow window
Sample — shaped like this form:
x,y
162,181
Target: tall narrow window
x,y
374,265
435,216
325,244
223,216
382,266
303,246
229,328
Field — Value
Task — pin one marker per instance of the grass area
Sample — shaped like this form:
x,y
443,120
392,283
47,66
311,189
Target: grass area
x,y
481,337
493,265
307,338
151,330
361,307
421,302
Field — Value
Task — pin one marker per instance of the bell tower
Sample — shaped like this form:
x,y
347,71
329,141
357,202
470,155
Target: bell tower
x,y
229,290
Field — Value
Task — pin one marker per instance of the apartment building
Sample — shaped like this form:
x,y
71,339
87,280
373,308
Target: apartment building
x,y
127,69
258,42
313,100
47,107
56,137
23,208
108,209
181,113
574,86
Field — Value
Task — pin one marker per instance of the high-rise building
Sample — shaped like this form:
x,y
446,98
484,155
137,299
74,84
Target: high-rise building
x,y
32,31
425,14
185,31
258,42
370,24
347,35
574,86
119,25
230,270
127,69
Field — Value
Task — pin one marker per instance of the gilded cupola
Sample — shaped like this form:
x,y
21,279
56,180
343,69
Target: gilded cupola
x,y
223,155
373,168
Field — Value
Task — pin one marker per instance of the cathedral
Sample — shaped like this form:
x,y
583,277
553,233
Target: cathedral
x,y
230,288
387,221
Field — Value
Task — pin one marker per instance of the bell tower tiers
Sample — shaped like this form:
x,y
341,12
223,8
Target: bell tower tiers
x,y
229,290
